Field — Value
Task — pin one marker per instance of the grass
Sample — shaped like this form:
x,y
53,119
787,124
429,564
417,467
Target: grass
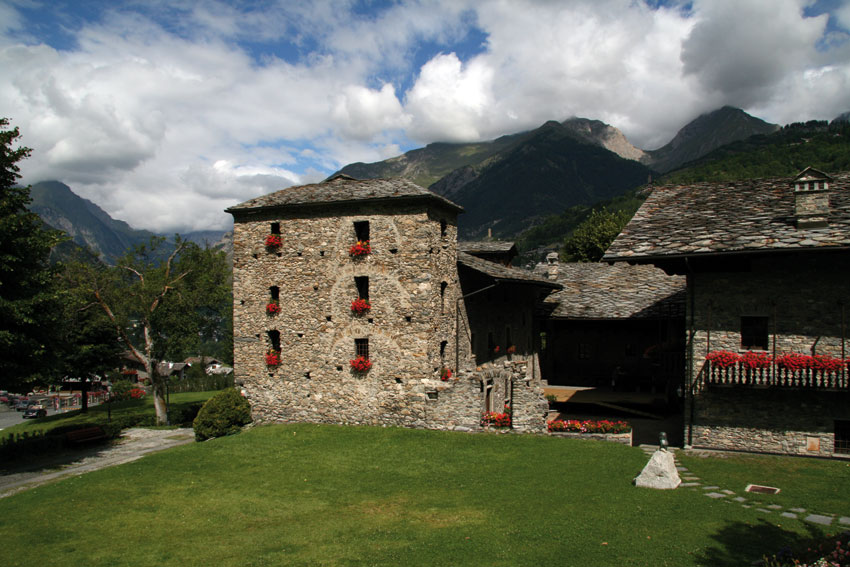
x,y
819,486
350,496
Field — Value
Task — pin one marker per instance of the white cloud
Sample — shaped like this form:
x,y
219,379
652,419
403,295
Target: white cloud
x,y
168,114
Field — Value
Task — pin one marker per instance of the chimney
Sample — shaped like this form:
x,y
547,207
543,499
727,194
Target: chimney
x,y
552,265
811,198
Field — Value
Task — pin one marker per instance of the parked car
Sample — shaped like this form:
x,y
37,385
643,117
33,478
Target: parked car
x,y
22,404
35,411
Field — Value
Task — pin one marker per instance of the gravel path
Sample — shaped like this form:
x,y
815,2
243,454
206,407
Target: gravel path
x,y
132,445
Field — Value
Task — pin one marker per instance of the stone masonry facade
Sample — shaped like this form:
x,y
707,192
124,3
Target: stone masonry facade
x,y
803,299
409,331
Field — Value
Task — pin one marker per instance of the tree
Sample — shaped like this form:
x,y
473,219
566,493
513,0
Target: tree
x,y
159,308
592,237
29,306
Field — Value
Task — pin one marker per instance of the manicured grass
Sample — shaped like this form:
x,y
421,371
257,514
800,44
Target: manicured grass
x,y
818,485
325,495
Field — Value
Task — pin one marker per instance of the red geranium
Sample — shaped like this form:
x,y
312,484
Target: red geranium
x,y
795,361
273,308
496,419
362,248
360,306
360,364
273,241
723,358
827,363
755,360
445,374
273,358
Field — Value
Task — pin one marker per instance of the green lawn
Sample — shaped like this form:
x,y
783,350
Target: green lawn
x,y
325,495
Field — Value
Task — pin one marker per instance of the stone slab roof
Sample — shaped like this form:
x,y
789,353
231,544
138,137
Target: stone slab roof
x,y
619,291
739,216
504,273
342,189
485,246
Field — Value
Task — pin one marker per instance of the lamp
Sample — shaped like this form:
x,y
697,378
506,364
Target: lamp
x,y
662,441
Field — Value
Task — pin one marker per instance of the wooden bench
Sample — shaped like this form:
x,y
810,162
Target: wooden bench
x,y
85,435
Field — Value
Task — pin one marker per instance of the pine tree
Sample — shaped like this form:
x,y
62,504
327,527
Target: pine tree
x,y
28,300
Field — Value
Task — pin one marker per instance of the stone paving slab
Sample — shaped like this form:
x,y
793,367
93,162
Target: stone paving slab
x,y
727,492
710,487
715,495
690,484
844,521
775,507
819,519
789,515
739,499
765,510
798,510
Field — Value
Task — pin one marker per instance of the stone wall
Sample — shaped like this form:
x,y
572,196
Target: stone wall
x,y
413,292
802,298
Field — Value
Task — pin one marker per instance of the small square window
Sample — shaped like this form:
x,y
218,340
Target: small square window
x,y
754,333
361,347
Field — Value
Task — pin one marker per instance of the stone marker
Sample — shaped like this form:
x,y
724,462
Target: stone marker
x,y
660,472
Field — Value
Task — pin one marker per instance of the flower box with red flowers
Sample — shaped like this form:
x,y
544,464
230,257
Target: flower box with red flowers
x,y
756,360
360,364
360,306
494,419
589,426
794,361
361,248
828,363
273,308
445,374
723,358
273,358
273,241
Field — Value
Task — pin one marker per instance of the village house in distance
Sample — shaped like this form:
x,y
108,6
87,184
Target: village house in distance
x,y
353,304
767,263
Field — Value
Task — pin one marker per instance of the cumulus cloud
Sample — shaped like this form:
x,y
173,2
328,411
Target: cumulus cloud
x,y
164,113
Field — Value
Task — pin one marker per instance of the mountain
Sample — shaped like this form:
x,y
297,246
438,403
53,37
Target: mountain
x,y
552,169
91,227
705,134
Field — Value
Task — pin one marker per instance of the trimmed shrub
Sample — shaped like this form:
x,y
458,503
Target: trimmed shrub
x,y
223,414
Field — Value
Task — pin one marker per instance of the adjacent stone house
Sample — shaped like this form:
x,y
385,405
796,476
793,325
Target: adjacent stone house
x,y
767,266
353,305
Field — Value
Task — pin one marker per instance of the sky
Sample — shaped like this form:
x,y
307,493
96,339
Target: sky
x,y
165,112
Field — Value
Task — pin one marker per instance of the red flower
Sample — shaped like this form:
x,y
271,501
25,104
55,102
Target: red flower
x,y
827,363
496,348
723,358
273,358
360,364
362,248
496,419
273,308
589,426
755,360
445,374
273,241
360,306
795,361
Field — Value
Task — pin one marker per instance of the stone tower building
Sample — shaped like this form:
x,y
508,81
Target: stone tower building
x,y
389,243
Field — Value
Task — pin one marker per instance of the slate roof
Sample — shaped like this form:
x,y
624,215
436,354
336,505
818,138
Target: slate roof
x,y
342,189
739,216
619,291
504,273
486,246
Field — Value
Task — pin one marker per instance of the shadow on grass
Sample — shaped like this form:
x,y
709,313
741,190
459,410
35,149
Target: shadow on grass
x,y
741,543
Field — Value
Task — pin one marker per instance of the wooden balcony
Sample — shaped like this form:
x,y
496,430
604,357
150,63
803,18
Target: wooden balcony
x,y
775,377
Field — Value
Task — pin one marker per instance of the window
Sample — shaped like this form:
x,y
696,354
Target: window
x,y
274,293
443,345
443,286
754,333
361,230
274,339
362,284
275,228
443,227
361,347
508,339
842,436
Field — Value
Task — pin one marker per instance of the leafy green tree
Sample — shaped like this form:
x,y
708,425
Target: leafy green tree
x,y
592,237
160,309
29,306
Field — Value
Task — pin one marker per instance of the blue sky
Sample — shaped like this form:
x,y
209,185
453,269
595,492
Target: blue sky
x,y
165,112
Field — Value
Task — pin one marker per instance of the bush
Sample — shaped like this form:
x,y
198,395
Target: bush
x,y
223,414
121,390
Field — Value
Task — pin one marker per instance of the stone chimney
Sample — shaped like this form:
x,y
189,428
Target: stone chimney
x,y
552,265
811,198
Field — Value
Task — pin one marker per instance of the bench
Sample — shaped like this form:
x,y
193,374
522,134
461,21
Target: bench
x,y
85,435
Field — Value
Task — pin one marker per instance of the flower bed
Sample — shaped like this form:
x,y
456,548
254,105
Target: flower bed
x,y
361,248
360,364
599,430
360,306
494,419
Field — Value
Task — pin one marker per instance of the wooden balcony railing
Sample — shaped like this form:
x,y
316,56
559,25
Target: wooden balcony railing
x,y
774,376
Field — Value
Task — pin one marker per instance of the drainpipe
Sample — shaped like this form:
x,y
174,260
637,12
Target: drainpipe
x,y
692,293
457,320
843,341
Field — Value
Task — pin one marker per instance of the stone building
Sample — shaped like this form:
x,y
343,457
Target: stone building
x,y
767,267
353,305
